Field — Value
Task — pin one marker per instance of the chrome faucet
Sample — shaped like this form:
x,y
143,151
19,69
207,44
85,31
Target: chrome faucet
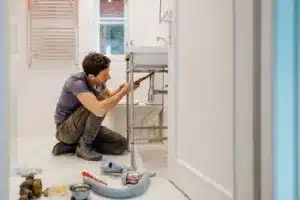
x,y
163,39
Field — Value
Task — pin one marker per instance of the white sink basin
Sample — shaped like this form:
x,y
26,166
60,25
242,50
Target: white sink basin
x,y
147,49
149,56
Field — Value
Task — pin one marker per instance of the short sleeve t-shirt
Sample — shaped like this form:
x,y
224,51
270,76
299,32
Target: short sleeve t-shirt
x,y
68,102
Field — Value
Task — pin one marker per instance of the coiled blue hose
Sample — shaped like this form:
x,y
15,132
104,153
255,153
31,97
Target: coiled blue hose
x,y
119,193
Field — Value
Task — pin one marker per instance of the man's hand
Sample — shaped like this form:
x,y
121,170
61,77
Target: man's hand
x,y
135,86
127,87
121,86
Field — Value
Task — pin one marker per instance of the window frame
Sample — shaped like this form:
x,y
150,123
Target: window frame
x,y
111,20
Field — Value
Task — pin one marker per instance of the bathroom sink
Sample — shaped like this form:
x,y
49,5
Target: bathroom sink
x,y
149,56
148,49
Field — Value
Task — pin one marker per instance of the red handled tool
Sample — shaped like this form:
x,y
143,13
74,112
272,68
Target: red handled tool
x,y
86,174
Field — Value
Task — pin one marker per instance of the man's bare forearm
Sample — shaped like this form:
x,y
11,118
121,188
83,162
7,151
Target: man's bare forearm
x,y
114,92
109,92
100,108
113,100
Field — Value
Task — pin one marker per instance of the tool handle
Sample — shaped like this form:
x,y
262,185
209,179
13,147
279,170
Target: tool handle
x,y
86,174
143,78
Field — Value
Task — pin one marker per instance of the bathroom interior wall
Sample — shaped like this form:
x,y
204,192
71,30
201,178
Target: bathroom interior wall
x,y
16,70
35,91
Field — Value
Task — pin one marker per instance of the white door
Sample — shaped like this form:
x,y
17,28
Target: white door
x,y
201,102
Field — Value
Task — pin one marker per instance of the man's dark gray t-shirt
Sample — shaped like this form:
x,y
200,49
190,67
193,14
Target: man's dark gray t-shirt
x,y
68,102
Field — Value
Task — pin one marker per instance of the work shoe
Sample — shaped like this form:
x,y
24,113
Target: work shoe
x,y
86,151
62,148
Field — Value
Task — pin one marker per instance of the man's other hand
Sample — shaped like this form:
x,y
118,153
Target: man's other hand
x,y
135,86
127,88
121,86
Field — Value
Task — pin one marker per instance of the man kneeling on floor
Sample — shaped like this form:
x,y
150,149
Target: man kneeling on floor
x,y
82,106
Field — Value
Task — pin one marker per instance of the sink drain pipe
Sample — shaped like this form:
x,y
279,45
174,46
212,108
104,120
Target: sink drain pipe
x,y
128,175
119,193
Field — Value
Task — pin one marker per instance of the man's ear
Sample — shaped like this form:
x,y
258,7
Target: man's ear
x,y
91,76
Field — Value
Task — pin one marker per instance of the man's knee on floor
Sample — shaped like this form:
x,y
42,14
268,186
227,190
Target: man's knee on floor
x,y
121,147
124,142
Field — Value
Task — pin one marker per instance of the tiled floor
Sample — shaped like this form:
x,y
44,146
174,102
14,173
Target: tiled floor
x,y
35,152
154,157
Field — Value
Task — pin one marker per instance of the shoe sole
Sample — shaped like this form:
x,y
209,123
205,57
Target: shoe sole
x,y
95,159
56,152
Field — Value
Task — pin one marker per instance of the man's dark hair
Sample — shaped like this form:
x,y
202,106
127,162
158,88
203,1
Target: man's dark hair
x,y
94,63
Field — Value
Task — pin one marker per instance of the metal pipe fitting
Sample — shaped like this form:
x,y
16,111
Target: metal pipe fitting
x,y
151,90
160,92
127,59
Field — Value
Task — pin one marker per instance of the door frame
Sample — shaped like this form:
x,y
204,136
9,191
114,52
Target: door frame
x,y
267,104
252,99
4,100
254,175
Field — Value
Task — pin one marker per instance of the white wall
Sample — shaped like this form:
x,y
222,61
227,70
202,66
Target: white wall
x,y
17,68
143,21
37,90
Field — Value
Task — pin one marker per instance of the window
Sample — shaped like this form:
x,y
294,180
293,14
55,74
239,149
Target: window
x,y
111,22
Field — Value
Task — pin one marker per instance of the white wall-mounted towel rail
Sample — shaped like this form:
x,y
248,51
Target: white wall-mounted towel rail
x,y
53,33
